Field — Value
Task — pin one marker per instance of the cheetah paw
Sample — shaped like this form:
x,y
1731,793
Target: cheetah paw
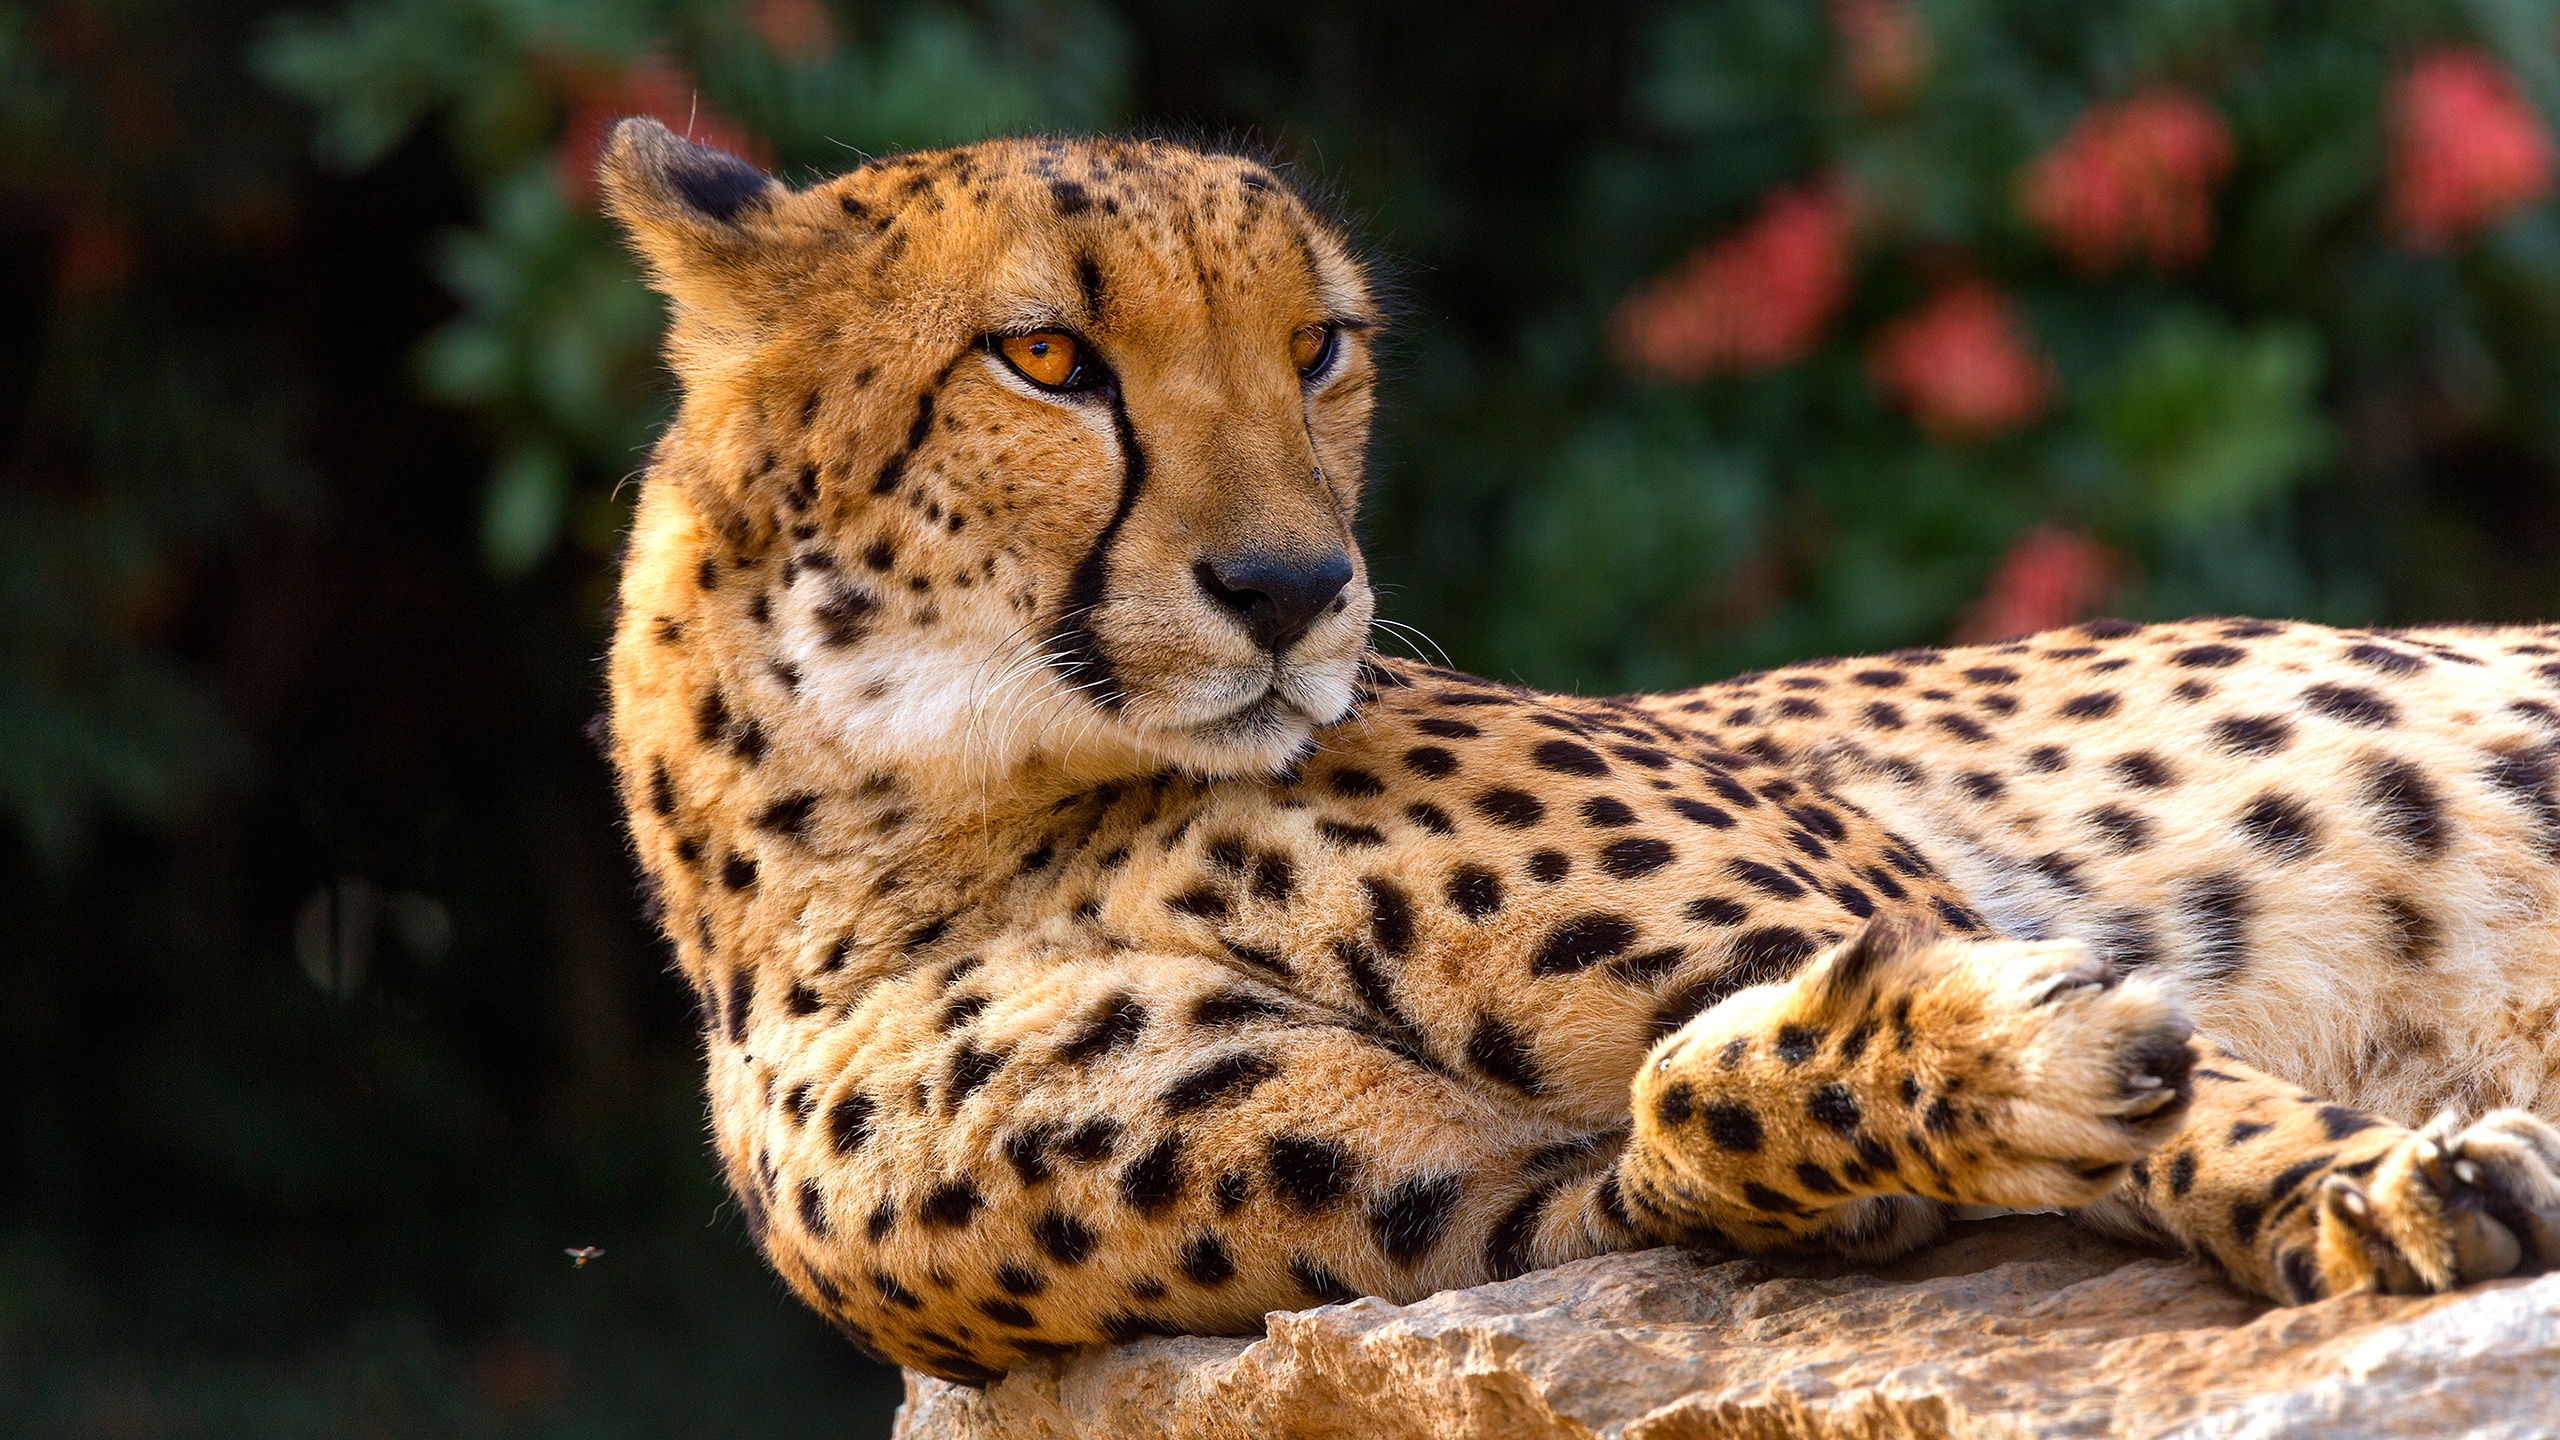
x,y
2092,1070
2449,1205
1980,1072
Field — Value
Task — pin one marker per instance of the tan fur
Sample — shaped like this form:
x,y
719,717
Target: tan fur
x,y
1074,967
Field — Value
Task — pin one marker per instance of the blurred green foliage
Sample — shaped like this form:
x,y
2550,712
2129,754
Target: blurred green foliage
x,y
331,1019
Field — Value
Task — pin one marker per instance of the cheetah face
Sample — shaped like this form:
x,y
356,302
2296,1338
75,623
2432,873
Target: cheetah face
x,y
1057,445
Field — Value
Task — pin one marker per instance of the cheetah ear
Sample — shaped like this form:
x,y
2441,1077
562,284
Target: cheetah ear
x,y
694,213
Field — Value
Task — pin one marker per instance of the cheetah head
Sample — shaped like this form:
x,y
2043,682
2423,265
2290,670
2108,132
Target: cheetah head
x,y
1035,447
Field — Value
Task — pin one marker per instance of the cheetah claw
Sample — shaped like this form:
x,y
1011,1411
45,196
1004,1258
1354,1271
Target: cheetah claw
x,y
2449,1205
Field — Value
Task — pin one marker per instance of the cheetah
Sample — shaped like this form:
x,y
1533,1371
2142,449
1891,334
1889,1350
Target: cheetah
x,y
1094,938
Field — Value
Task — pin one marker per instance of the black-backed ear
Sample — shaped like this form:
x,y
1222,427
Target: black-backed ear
x,y
690,210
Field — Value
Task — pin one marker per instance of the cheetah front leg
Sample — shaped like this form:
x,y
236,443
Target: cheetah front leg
x,y
1904,1063
2300,1200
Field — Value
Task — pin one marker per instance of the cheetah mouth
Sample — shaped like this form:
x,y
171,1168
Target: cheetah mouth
x,y
1260,718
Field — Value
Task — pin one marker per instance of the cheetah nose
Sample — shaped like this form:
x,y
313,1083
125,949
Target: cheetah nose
x,y
1275,595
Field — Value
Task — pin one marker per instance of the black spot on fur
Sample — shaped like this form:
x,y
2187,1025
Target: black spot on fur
x,y
1832,1106
949,1206
971,1067
1092,1142
1701,813
2352,704
1963,727
2525,775
1120,1021
1309,1173
844,617
1226,1078
1234,1007
1502,1053
1582,942
1506,1246
1761,877
1566,758
2405,801
2144,771
1273,878
1027,1151
1715,910
849,1122
2280,825
1410,1219
2386,659
1390,914
1319,1282
1732,1126
1606,812
2412,932
1475,891
2218,908
2252,734
1771,952
1761,1197
1634,857
1517,809
1430,817
1205,1261
2122,828
1154,1180
1430,761
788,817
1353,784
1351,836
1066,1239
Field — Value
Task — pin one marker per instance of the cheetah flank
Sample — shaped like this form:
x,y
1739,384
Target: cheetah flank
x,y
1095,941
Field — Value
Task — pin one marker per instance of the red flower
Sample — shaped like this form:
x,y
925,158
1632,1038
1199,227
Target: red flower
x,y
2466,150
2048,579
1883,47
796,29
1757,298
2132,179
96,254
655,87
1961,365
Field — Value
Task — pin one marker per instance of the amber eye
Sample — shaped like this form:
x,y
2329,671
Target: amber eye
x,y
1311,349
1045,357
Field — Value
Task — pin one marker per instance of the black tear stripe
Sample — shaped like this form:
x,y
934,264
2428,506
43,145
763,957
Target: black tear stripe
x,y
894,469
1083,663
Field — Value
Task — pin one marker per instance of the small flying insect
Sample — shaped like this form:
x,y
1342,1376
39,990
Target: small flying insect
x,y
584,1253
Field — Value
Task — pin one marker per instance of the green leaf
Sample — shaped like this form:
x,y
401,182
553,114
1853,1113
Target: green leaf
x,y
521,517
2211,421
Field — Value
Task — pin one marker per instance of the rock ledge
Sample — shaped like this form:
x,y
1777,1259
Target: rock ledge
x,y
2021,1327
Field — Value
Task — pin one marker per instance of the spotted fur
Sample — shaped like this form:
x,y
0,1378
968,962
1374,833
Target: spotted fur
x,y
1082,956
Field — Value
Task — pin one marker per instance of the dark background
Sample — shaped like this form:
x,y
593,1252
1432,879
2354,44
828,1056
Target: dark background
x,y
326,1018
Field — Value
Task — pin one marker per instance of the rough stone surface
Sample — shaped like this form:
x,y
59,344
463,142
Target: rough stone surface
x,y
2017,1327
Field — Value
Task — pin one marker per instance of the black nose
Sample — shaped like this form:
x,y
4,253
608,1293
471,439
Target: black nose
x,y
1276,596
